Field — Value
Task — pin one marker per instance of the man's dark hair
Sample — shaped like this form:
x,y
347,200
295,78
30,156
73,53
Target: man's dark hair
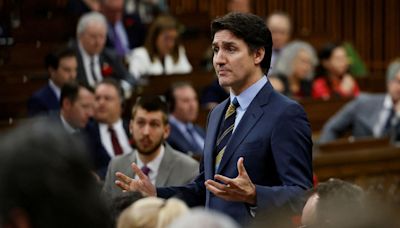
x,y
251,29
70,91
338,202
53,59
169,95
152,104
45,174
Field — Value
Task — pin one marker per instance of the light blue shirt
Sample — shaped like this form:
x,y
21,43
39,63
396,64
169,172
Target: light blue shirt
x,y
182,128
246,97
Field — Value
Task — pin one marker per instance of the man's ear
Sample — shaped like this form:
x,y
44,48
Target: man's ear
x,y
66,104
259,55
167,130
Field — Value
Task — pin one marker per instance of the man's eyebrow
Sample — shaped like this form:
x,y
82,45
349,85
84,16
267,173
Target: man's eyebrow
x,y
224,43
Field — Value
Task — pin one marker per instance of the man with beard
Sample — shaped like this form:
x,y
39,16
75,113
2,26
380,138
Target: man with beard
x,y
163,165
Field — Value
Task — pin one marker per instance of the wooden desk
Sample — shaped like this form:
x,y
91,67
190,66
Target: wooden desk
x,y
369,163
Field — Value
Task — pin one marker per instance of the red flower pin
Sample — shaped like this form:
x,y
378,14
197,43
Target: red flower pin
x,y
106,70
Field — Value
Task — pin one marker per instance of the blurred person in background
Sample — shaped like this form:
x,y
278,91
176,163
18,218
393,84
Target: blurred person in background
x,y
294,70
162,52
62,67
332,77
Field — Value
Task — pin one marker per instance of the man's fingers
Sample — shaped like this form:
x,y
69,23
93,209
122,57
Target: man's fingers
x,y
240,166
138,171
216,184
212,187
226,180
122,185
123,178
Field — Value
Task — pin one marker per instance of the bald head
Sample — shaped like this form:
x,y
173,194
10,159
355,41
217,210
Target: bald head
x,y
280,26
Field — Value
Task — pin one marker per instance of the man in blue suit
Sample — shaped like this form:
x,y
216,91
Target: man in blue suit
x,y
257,152
62,67
185,135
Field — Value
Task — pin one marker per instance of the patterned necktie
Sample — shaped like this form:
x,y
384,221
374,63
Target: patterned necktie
x,y
226,131
119,47
146,170
92,71
114,140
193,143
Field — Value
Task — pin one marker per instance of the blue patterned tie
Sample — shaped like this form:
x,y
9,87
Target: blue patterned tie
x,y
226,131
195,148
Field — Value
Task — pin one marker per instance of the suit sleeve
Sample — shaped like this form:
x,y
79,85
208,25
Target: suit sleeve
x,y
291,147
339,123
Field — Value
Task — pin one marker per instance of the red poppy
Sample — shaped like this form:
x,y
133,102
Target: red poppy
x,y
106,70
129,22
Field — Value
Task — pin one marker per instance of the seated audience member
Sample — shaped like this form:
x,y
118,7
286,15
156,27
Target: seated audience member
x,y
95,62
77,107
152,212
280,25
45,180
199,218
294,70
332,77
162,52
62,66
185,135
162,164
369,115
108,133
334,203
213,94
125,31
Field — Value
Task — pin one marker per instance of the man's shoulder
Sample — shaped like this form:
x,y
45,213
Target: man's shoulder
x,y
179,157
122,159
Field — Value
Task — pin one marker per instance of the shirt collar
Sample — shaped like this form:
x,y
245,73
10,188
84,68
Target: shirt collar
x,y
154,165
55,88
67,126
248,95
387,102
86,57
181,125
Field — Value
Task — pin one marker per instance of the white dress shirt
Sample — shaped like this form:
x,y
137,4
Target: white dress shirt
x,y
383,116
121,135
55,89
154,165
86,65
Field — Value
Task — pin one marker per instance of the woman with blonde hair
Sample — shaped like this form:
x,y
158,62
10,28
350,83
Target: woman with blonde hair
x,y
162,52
152,212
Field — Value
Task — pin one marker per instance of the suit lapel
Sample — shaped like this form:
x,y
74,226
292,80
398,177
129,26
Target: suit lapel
x,y
248,121
165,168
211,137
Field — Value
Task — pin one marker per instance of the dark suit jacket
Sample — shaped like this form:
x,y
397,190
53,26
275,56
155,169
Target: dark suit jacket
x,y
179,142
274,138
43,101
99,155
111,66
134,30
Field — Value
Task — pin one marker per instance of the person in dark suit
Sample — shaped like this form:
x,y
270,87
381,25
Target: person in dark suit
x,y
258,147
77,107
108,133
165,166
95,62
185,135
125,31
62,66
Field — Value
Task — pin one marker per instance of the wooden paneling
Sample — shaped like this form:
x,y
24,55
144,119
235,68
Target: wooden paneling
x,y
372,26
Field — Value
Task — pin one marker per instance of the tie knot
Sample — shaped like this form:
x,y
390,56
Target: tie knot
x,y
235,102
111,130
146,170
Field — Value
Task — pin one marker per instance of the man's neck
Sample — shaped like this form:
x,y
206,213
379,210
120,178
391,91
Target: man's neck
x,y
146,158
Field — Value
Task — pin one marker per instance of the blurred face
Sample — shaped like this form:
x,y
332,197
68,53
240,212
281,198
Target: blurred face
x,y
242,6
280,30
338,63
93,38
235,66
66,71
186,104
107,104
394,88
149,130
78,113
115,5
302,65
166,41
